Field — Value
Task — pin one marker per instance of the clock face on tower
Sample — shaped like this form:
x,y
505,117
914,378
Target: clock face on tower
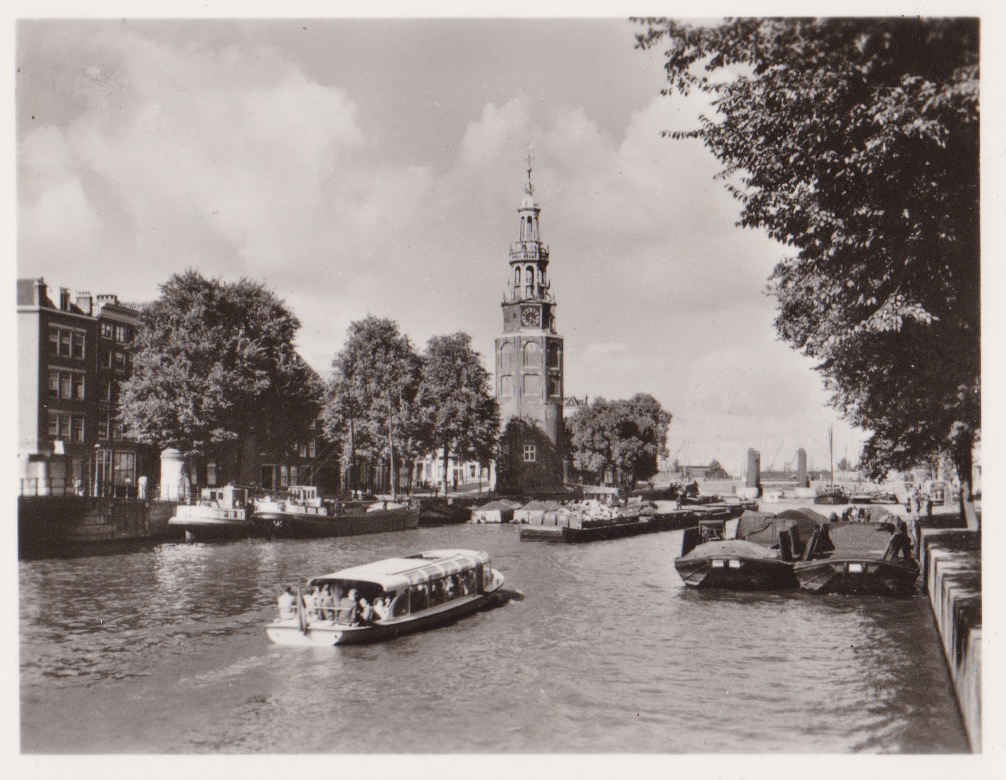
x,y
530,316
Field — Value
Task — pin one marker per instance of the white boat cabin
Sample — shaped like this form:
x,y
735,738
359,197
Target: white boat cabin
x,y
304,495
226,497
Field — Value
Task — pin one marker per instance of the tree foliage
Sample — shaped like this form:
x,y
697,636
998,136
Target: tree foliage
x,y
214,363
373,389
624,436
855,143
456,400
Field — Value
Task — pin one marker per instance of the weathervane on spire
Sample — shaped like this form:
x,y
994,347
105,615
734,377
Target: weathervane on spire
x,y
529,189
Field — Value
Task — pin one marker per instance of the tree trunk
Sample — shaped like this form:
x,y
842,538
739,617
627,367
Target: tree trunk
x,y
391,453
352,455
446,456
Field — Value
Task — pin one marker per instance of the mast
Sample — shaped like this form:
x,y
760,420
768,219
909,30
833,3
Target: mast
x,y
831,451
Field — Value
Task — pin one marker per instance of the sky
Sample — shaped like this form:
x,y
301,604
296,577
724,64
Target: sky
x,y
375,167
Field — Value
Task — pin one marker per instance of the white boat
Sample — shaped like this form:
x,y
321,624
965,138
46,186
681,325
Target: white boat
x,y
222,513
422,591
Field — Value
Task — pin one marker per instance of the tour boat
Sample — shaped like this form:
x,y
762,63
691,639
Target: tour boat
x,y
860,561
222,513
760,555
423,591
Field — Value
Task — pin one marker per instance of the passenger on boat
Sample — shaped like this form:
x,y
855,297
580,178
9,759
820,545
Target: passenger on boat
x,y
899,543
381,608
327,603
287,603
313,603
365,611
348,614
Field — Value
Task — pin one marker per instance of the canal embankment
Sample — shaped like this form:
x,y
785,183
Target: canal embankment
x,y
951,565
46,522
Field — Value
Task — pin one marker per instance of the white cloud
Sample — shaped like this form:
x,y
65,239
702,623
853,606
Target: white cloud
x,y
238,160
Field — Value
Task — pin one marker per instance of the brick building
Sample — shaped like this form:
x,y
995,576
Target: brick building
x,y
73,352
529,365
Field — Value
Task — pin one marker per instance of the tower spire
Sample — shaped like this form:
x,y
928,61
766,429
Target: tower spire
x,y
529,187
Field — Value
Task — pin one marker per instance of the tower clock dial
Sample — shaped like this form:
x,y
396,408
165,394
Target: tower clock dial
x,y
530,316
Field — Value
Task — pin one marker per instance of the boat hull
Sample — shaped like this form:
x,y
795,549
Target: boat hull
x,y
293,525
857,576
736,572
209,530
328,633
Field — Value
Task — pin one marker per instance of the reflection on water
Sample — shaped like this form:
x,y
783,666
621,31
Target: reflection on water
x,y
163,649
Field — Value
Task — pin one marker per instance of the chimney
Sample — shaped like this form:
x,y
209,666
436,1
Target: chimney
x,y
64,298
84,301
40,292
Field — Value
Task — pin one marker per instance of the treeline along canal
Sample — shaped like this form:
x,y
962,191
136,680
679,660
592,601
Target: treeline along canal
x,y
162,649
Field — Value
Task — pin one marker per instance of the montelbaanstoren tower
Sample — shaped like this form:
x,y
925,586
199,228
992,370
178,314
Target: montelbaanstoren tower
x,y
529,363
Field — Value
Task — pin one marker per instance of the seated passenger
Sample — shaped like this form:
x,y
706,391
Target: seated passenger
x,y
366,611
312,603
327,604
381,611
287,603
348,612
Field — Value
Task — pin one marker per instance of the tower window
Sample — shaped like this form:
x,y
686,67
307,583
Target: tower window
x,y
516,277
530,453
529,281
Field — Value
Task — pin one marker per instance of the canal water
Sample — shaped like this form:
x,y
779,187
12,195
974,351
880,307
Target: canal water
x,y
161,648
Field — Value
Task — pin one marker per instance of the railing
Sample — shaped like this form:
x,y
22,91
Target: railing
x,y
528,250
519,294
59,486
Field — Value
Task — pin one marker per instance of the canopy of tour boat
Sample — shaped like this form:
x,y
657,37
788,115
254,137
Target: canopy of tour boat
x,y
394,573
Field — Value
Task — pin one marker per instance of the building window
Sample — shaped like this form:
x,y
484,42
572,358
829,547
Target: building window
x,y
284,476
106,330
121,334
120,360
117,429
69,427
104,425
302,450
125,468
530,453
293,475
107,362
65,342
516,277
106,391
67,385
312,448
471,471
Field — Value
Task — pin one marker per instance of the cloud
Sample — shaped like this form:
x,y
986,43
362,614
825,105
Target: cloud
x,y
156,152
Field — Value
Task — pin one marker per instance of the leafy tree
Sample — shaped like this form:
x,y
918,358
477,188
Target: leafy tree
x,y
855,143
625,436
214,368
374,383
456,400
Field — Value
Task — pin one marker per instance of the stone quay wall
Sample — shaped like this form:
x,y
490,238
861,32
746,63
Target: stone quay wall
x,y
952,575
53,521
